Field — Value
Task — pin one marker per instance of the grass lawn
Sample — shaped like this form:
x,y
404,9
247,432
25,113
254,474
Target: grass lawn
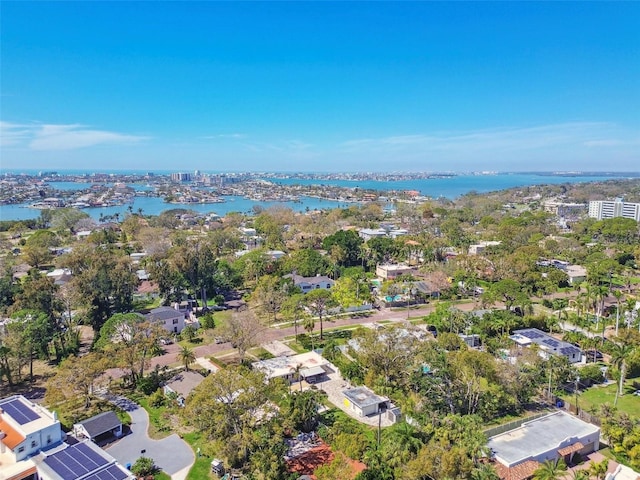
x,y
159,426
202,466
260,353
598,395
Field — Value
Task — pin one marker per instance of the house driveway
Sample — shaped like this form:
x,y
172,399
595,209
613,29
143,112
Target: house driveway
x,y
172,454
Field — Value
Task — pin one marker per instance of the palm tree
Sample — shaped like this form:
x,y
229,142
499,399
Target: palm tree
x,y
402,441
550,470
618,295
484,472
187,356
619,355
309,324
599,470
580,475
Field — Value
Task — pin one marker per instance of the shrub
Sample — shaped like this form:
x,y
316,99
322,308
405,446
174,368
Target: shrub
x,y
144,466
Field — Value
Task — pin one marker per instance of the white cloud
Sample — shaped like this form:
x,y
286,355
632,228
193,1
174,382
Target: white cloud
x,y
588,134
234,136
13,133
35,136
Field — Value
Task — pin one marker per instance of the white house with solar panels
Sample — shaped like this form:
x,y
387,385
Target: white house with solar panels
x,y
32,447
548,344
26,428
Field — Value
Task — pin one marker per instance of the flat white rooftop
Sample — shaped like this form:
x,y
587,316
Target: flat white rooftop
x,y
283,366
538,436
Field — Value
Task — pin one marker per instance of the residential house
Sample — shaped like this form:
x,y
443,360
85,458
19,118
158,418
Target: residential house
x,y
182,384
306,284
311,366
479,248
576,273
275,254
392,271
369,233
100,427
559,435
548,344
25,430
363,401
172,319
60,276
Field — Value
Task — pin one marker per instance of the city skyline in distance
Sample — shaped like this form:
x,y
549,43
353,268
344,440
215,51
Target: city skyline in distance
x,y
320,86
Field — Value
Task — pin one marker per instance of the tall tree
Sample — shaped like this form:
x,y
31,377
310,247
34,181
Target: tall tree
x,y
269,296
229,406
319,302
76,379
348,247
187,356
131,339
243,331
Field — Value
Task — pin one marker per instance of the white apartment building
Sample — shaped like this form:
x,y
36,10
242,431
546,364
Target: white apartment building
x,y
602,209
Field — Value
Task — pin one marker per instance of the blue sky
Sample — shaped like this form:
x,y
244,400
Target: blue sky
x,y
324,86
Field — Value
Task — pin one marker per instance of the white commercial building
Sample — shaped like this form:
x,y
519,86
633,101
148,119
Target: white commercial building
x,y
554,436
602,209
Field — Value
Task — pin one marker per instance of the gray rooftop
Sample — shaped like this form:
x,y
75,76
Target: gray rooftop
x,y
533,438
363,397
184,383
164,313
101,423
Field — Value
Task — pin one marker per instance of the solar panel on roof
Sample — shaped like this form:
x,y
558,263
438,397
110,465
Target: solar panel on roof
x,y
75,461
20,412
96,459
531,334
60,468
75,465
113,472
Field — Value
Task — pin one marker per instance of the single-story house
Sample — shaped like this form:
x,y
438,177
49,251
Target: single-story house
x,y
363,401
576,273
275,254
311,366
548,344
369,233
472,340
554,436
306,284
182,385
479,248
101,426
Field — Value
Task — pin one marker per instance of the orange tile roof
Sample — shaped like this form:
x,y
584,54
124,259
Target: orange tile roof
x,y
522,471
574,447
13,438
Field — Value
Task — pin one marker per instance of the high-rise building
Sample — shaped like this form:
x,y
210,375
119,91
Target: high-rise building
x,y
602,209
181,177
